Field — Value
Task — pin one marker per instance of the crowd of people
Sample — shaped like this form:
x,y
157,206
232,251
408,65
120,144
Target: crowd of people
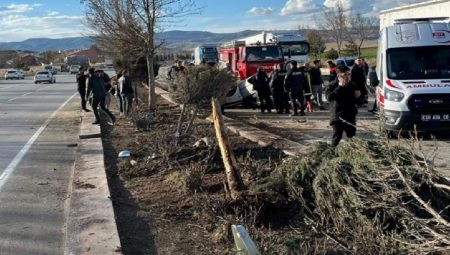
x,y
287,87
301,89
97,88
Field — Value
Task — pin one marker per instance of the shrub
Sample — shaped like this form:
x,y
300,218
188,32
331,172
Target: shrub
x,y
330,54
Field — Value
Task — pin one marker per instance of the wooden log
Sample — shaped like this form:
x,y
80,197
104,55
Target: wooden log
x,y
232,173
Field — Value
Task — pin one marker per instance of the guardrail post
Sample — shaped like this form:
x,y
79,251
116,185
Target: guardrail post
x,y
244,243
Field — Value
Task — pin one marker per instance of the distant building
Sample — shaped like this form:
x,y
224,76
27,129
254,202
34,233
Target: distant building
x,y
91,56
30,60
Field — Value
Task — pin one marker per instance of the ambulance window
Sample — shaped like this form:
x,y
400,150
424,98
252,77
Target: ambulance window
x,y
431,62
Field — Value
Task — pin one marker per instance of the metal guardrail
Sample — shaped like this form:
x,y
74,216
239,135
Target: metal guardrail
x,y
244,244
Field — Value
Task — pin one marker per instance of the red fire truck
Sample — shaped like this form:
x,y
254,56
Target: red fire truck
x,y
245,58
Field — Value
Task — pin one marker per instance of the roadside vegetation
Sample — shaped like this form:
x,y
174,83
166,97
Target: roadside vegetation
x,y
363,197
185,185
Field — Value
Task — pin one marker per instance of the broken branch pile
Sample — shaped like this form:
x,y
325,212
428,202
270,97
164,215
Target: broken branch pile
x,y
368,197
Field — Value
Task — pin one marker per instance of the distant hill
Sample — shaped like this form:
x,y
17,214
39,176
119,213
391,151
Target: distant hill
x,y
174,40
43,44
187,40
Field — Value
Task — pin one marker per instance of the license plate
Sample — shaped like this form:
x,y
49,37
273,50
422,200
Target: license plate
x,y
435,117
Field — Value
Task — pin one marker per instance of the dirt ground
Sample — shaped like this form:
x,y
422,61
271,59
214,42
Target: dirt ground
x,y
169,197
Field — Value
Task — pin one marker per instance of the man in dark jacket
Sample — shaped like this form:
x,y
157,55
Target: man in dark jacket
x,y
295,82
343,95
280,95
260,83
96,86
81,82
359,78
316,83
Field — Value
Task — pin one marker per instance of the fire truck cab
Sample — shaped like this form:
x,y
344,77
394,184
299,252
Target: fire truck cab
x,y
245,59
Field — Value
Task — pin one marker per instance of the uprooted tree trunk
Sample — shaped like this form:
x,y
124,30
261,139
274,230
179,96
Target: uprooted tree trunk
x,y
234,179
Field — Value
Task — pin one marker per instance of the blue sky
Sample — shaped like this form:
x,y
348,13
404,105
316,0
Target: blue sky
x,y
24,19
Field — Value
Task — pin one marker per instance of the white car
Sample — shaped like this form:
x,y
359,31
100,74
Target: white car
x,y
74,69
21,74
13,74
44,76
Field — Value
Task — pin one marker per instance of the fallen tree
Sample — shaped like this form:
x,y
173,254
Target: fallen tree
x,y
368,197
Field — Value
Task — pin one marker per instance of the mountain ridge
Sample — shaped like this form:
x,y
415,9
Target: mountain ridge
x,y
173,40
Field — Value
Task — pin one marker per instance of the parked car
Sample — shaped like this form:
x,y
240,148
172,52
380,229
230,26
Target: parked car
x,y
74,69
44,76
13,74
345,61
51,69
21,74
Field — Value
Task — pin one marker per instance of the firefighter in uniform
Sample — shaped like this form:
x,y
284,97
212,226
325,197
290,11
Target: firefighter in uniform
x,y
295,82
260,82
279,93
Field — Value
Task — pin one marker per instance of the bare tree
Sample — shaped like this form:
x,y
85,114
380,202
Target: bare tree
x,y
127,28
335,22
362,28
316,43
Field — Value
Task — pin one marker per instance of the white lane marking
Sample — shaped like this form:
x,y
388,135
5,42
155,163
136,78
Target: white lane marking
x,y
12,99
18,158
7,87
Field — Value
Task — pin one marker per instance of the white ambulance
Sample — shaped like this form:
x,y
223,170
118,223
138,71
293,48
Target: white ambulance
x,y
413,66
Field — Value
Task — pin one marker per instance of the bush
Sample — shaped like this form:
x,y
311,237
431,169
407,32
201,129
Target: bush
x,y
331,54
197,84
189,179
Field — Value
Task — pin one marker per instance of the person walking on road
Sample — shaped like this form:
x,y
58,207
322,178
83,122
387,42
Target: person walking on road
x,y
115,91
260,83
295,82
343,95
81,82
108,87
126,91
96,86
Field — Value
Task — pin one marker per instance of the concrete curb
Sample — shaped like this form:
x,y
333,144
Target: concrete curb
x,y
263,138
91,225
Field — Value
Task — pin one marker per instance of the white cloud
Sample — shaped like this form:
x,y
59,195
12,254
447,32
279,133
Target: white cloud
x,y
52,13
17,8
260,10
346,4
298,7
20,27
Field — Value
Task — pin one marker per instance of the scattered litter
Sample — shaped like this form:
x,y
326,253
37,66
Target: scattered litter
x,y
150,158
205,140
72,145
124,154
133,162
301,121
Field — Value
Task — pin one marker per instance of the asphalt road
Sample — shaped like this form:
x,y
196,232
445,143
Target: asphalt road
x,y
39,126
